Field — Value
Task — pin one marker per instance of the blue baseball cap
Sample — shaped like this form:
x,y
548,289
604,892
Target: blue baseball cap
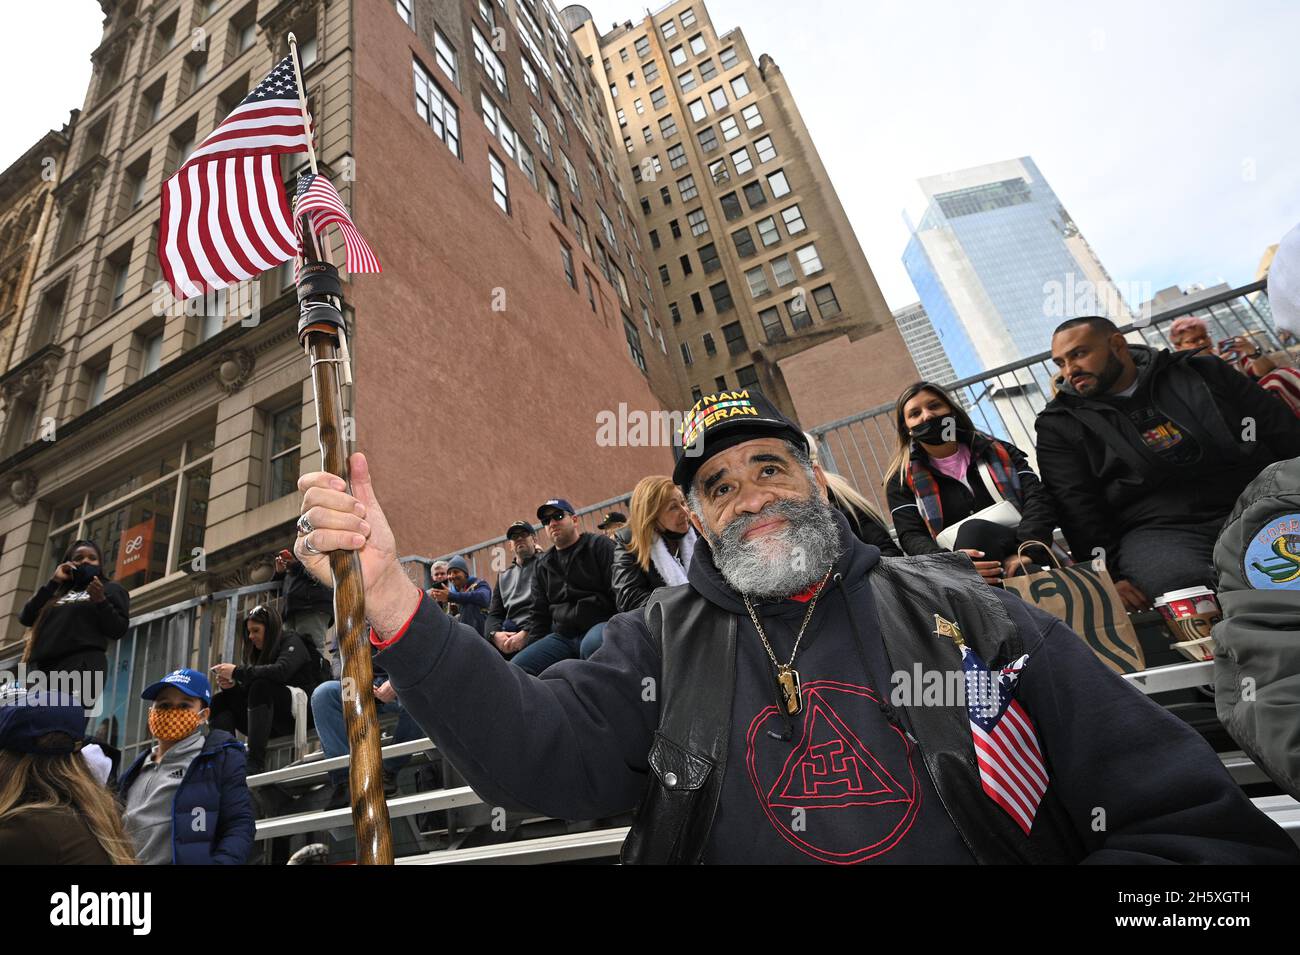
x,y
190,682
27,717
555,503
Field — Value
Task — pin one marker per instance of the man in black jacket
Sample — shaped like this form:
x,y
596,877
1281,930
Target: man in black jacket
x,y
308,605
734,758
572,592
508,619
1146,452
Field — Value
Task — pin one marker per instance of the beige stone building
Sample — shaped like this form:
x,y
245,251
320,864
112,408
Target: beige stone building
x,y
765,280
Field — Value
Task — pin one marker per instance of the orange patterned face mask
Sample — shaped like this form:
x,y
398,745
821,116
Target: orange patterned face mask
x,y
173,724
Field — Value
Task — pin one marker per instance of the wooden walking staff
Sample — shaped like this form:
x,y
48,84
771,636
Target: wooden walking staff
x,y
323,333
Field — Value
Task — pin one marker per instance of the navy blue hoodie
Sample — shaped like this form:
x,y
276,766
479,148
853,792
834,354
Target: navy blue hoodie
x,y
847,786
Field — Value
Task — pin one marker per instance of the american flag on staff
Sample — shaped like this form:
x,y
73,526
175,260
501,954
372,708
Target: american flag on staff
x,y
320,202
224,214
1006,745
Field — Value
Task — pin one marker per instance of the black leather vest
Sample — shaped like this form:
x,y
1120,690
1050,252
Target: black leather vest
x,y
688,759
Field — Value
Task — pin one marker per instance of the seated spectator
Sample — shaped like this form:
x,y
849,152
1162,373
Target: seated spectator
x,y
73,616
327,712
654,550
1190,333
308,605
612,523
254,695
867,525
572,592
945,471
1145,453
187,800
438,589
509,617
471,596
53,809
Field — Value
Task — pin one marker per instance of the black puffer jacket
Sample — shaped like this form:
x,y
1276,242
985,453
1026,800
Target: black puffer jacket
x,y
1105,480
1037,514
73,623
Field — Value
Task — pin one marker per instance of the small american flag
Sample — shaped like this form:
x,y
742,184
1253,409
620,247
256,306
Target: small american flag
x,y
224,214
320,202
1010,761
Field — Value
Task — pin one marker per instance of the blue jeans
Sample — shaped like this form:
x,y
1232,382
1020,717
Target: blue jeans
x,y
327,709
554,647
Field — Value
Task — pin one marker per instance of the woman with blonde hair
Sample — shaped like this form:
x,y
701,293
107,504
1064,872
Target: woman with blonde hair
x,y
53,810
654,549
865,523
945,472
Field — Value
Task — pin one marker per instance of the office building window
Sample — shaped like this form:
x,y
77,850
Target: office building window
x,y
665,196
696,394
491,63
766,151
678,55
654,237
731,206
809,260
566,256
708,140
757,280
798,309
668,29
658,98
793,219
437,109
718,97
686,354
720,383
697,303
721,297
709,258
730,128
697,44
686,81
747,377
734,336
783,271
744,241
668,129
768,233
686,186
740,87
688,17
634,343
754,195
650,71
697,110
643,47
553,196
728,57
710,348
698,222
631,81
664,277
677,156
500,189
622,54
445,55
773,327
708,70
742,161
645,206
718,171
753,118
777,183
675,313
685,262
827,304
648,136
675,229
530,76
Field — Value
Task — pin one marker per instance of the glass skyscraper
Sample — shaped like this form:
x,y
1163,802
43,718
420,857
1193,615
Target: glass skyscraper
x,y
998,263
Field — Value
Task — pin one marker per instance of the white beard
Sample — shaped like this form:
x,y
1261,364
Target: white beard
x,y
783,562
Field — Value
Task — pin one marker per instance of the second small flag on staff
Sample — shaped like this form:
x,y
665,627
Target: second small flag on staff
x,y
320,202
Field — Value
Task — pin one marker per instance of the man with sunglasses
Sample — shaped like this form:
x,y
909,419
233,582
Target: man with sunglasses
x,y
572,592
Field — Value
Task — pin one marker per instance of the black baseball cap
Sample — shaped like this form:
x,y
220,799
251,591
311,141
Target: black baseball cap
x,y
723,420
612,517
555,504
519,529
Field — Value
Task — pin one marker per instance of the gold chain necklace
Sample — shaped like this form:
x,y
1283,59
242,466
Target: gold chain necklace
x,y
787,677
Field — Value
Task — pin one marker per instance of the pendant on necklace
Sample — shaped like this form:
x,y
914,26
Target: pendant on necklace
x,y
787,678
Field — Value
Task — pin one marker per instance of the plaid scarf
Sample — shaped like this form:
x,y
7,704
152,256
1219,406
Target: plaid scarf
x,y
920,478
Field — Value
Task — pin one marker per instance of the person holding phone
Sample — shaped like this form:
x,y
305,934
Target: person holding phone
x,y
1244,353
73,616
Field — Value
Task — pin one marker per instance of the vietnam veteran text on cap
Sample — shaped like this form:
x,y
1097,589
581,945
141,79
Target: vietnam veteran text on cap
x,y
723,420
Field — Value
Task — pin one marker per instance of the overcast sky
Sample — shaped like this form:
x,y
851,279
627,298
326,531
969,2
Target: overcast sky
x,y
1168,128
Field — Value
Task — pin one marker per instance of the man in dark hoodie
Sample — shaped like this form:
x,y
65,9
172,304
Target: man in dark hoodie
x,y
1146,452
747,712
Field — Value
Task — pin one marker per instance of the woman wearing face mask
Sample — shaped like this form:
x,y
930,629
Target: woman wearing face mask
x,y
654,549
54,810
944,471
186,799
73,617
254,695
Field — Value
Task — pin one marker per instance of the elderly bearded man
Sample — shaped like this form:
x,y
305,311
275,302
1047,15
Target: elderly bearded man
x,y
747,712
